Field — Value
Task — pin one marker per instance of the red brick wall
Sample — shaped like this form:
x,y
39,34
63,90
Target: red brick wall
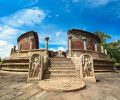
x,y
77,43
24,42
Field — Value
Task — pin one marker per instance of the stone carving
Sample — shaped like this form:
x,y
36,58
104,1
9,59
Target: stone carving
x,y
35,67
59,54
86,67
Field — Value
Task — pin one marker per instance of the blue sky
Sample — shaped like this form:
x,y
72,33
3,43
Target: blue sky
x,y
54,18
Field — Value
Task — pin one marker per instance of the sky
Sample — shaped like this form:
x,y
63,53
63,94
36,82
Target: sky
x,y
54,18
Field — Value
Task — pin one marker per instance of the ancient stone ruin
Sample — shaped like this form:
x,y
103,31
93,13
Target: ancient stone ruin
x,y
84,57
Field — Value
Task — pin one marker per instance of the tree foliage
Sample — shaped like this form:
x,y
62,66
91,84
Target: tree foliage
x,y
1,60
103,37
113,48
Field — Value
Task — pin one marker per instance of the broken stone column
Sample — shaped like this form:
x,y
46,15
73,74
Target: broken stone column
x,y
96,50
102,49
84,43
11,50
46,48
18,48
31,42
70,46
105,51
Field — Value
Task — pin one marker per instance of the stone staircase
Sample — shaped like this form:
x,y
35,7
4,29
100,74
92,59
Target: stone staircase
x,y
103,65
17,65
60,68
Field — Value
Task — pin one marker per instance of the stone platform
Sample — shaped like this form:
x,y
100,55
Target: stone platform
x,y
14,86
64,85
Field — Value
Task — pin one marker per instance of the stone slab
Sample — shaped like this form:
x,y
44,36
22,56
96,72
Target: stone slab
x,y
62,84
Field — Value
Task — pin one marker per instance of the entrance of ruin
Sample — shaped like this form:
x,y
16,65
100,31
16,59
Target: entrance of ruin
x,y
60,53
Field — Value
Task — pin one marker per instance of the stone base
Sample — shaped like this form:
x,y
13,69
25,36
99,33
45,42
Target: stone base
x,y
60,56
65,85
90,80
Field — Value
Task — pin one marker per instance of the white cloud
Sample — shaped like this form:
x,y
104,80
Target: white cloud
x,y
93,3
29,2
62,48
25,17
55,37
2,43
10,26
7,32
96,3
58,33
5,48
57,49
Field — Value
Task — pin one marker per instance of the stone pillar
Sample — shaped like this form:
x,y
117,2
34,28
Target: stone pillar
x,y
105,51
31,43
14,48
102,49
46,46
18,48
96,50
11,50
70,46
84,43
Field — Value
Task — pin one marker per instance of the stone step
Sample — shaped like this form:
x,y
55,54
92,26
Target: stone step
x,y
102,61
47,76
11,64
61,68
63,62
60,72
15,70
61,65
60,59
16,60
103,65
105,70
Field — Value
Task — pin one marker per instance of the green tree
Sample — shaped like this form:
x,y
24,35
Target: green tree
x,y
103,37
113,49
1,60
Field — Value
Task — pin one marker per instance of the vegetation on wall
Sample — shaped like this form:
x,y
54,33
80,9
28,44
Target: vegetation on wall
x,y
113,48
103,37
1,60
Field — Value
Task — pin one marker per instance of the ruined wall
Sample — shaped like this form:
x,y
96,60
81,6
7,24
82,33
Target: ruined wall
x,y
25,39
77,39
86,42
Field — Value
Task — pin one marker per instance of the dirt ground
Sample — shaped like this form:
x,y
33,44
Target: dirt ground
x,y
14,86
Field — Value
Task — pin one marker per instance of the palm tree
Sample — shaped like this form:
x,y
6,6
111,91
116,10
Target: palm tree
x,y
103,37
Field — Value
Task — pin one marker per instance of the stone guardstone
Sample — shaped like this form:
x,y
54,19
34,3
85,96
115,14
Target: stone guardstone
x,y
35,68
87,68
